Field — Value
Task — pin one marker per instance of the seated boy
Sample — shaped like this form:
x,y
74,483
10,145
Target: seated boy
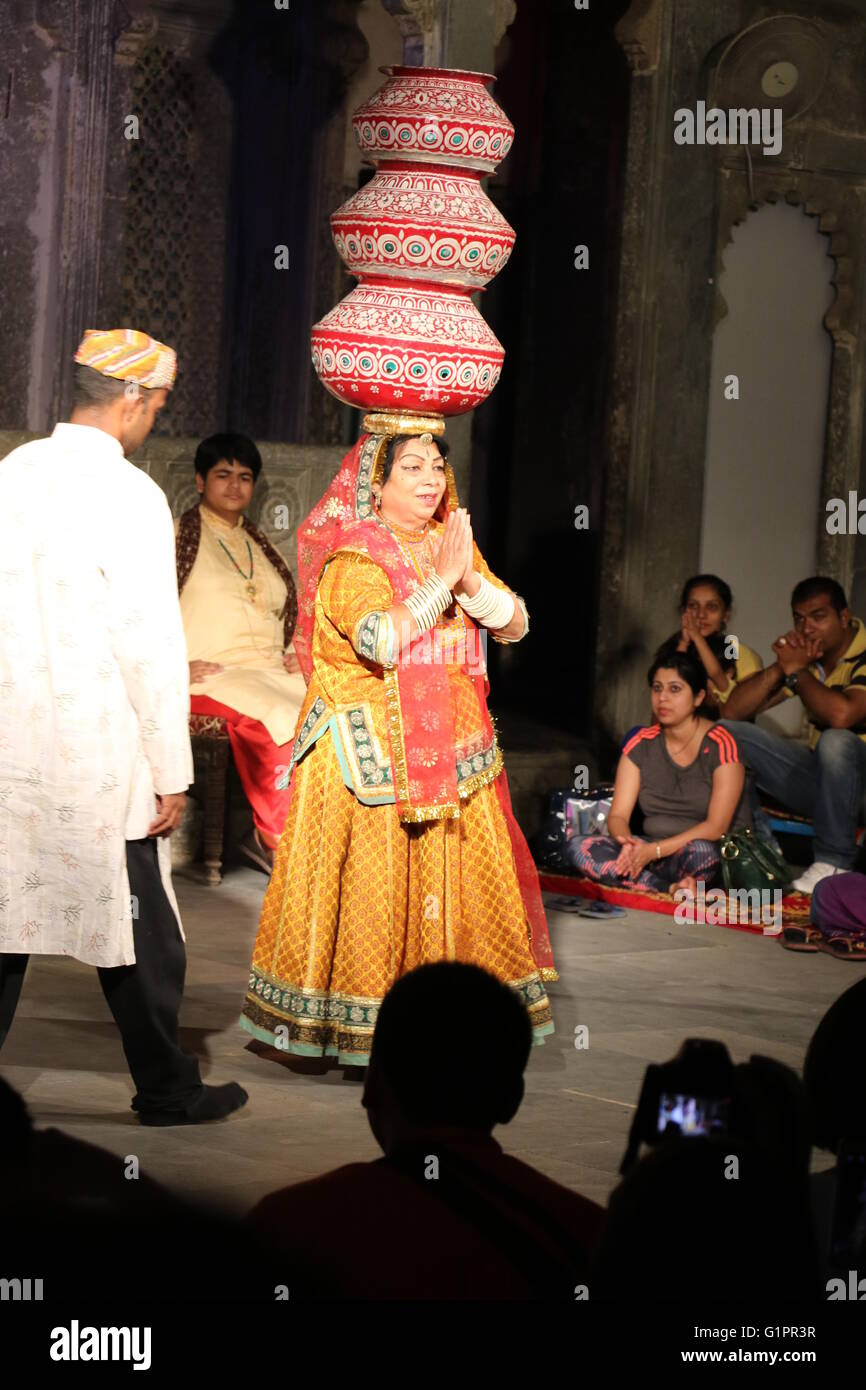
x,y
239,607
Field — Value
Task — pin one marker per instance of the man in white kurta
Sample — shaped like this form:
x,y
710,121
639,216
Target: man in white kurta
x,y
95,756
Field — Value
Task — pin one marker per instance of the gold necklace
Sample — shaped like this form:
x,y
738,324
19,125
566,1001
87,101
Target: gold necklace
x,y
413,537
687,743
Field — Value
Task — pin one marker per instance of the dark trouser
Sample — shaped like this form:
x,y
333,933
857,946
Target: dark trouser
x,y
144,998
595,855
825,783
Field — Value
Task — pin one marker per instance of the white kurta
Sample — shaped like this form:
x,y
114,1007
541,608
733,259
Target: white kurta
x,y
94,691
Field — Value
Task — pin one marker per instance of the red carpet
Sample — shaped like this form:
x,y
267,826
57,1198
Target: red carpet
x,y
795,907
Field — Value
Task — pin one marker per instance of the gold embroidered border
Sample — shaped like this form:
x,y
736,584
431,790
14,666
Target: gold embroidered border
x,y
395,728
315,1036
481,779
452,486
365,784
447,811
323,1034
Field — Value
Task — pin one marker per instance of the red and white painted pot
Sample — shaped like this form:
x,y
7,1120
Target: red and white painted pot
x,y
420,237
429,223
438,115
390,345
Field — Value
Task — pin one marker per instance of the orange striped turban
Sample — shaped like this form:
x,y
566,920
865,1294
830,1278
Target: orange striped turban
x,y
127,355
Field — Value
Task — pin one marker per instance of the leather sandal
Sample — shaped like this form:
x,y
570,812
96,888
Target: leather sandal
x,y
805,938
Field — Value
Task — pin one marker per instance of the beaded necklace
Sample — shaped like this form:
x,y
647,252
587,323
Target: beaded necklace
x,y
250,586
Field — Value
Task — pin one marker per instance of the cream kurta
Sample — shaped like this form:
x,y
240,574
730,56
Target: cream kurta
x,y
243,634
94,700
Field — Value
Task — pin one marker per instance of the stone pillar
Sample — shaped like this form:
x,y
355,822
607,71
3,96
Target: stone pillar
x,y
657,415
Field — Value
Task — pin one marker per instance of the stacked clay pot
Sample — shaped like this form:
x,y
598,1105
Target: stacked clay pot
x,y
421,237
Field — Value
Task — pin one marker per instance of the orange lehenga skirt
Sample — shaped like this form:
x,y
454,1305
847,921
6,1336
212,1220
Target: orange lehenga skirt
x,y
357,898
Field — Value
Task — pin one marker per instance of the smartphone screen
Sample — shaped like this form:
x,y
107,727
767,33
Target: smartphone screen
x,y
848,1237
692,1116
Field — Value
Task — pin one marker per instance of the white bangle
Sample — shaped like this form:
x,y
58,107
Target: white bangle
x,y
429,602
490,606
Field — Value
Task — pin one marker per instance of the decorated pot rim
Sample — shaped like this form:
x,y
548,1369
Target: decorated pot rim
x,y
403,70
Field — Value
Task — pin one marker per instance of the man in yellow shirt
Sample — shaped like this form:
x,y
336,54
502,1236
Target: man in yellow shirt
x,y
238,604
823,661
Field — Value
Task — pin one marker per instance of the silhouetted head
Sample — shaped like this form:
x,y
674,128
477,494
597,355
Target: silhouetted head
x,y
449,1051
835,1071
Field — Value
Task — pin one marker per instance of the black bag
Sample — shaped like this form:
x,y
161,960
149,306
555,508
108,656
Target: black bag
x,y
750,862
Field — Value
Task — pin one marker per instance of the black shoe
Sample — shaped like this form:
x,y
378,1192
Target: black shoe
x,y
213,1103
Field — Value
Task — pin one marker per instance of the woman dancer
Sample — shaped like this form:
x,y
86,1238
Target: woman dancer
x,y
400,846
685,774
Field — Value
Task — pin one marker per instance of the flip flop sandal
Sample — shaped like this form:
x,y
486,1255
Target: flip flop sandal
x,y
601,910
801,939
564,904
843,947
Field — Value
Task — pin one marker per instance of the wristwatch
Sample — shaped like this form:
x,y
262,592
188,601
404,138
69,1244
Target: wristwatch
x,y
791,680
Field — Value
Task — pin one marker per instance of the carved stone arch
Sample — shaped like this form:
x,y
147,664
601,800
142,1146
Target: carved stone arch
x,y
820,198
840,211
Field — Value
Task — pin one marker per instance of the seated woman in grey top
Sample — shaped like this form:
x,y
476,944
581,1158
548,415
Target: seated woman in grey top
x,y
685,774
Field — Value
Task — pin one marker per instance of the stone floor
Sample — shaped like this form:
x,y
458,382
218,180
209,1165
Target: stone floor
x,y
639,984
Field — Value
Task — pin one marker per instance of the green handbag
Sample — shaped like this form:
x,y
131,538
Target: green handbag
x,y
750,862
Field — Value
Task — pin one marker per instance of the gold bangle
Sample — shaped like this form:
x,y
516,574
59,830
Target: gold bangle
x,y
658,850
